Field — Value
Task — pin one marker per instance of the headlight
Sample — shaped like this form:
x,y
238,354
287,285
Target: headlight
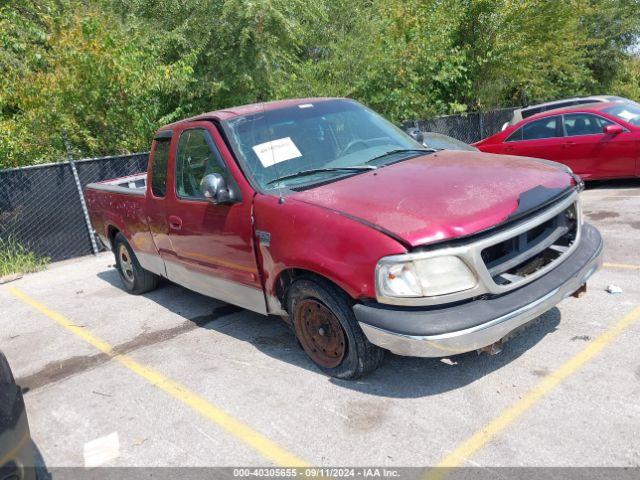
x,y
424,278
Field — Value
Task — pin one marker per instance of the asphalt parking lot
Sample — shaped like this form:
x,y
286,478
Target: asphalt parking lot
x,y
173,378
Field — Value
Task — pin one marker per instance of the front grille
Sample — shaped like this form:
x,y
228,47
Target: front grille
x,y
518,257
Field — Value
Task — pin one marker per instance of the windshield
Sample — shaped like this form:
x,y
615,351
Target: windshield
x,y
444,142
326,135
627,112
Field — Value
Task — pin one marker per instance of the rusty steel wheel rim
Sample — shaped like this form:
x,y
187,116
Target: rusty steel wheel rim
x,y
126,263
320,333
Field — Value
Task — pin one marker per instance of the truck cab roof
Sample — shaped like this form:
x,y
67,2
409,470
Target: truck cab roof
x,y
233,112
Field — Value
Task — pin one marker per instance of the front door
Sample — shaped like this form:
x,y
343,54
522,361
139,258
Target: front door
x,y
593,154
212,244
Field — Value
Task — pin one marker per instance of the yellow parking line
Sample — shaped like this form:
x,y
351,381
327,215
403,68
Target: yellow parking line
x,y
621,265
238,429
483,436
15,450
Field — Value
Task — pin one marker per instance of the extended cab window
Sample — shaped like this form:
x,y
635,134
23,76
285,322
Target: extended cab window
x,y
576,124
159,167
544,128
197,156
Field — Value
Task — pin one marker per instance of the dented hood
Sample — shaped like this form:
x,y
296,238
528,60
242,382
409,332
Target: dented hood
x,y
443,195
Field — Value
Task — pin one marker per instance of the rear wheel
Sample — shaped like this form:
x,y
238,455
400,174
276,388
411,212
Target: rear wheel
x,y
328,331
135,279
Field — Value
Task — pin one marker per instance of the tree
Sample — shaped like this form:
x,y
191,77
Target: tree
x,y
107,73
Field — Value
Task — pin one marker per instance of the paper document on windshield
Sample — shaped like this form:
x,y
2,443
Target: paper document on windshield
x,y
276,151
627,115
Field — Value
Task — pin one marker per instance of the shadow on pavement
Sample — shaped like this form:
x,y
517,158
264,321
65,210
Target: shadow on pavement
x,y
613,184
399,377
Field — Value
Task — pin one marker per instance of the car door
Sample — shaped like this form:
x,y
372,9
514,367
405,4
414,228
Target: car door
x,y
155,208
538,138
592,153
213,251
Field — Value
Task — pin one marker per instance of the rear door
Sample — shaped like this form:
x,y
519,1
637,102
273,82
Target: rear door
x,y
593,154
213,251
155,208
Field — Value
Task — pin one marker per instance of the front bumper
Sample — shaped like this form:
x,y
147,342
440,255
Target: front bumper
x,y
448,330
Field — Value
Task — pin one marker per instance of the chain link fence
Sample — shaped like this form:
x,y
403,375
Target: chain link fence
x,y
41,206
469,128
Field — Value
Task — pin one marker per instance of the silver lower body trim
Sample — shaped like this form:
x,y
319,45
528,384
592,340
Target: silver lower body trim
x,y
212,286
474,338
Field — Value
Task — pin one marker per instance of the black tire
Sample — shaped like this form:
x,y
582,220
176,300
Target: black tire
x,y
135,279
359,356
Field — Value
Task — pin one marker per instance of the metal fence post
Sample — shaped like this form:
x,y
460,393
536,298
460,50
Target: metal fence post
x,y
83,203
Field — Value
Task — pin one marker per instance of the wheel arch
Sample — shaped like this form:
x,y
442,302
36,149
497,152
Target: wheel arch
x,y
287,276
112,231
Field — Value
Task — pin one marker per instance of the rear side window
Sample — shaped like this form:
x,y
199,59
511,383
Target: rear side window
x,y
197,157
544,128
529,112
576,124
159,167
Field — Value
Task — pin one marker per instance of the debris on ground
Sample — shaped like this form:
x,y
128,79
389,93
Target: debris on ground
x,y
584,338
101,394
613,289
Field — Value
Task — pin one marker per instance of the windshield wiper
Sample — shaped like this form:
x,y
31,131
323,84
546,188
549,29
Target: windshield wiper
x,y
402,150
303,173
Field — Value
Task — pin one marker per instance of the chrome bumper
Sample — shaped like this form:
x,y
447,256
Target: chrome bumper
x,y
509,314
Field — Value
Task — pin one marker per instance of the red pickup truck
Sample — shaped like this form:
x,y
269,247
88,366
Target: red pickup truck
x,y
363,240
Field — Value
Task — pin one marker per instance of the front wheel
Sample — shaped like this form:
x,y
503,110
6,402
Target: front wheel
x,y
135,279
328,331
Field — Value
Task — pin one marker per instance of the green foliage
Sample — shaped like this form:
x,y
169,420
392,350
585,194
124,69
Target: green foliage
x,y
71,73
15,258
107,73
626,81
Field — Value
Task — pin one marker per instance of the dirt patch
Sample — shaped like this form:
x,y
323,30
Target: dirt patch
x,y
635,225
62,369
602,215
365,415
59,370
541,372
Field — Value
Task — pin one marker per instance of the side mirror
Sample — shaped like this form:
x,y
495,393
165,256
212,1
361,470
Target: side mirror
x,y
417,135
613,129
214,188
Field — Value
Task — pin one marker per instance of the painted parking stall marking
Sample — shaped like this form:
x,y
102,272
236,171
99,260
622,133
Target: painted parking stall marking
x,y
483,436
259,442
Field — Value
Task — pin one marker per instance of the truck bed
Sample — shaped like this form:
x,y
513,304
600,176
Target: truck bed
x,y
130,185
119,203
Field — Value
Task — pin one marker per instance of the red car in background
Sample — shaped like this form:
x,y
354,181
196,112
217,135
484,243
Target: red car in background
x,y
597,141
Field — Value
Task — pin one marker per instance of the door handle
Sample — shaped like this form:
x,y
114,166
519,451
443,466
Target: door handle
x,y
568,144
175,222
509,149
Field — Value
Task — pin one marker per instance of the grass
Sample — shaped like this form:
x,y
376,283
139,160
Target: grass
x,y
15,258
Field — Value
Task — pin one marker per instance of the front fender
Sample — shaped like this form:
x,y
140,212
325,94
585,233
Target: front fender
x,y
298,235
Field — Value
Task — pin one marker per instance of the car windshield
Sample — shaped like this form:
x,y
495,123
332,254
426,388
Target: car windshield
x,y
627,112
444,142
316,142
